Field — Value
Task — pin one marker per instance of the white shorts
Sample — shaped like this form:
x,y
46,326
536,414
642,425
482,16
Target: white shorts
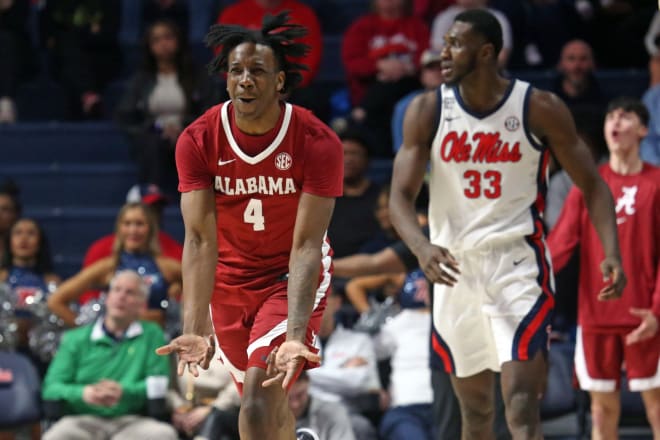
x,y
498,311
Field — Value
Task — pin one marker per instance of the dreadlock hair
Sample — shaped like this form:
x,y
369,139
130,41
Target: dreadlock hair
x,y
228,36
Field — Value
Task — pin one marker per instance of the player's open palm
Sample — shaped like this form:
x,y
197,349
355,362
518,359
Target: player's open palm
x,y
646,329
614,276
439,265
284,361
193,351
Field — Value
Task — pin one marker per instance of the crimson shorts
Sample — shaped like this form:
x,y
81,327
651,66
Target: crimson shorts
x,y
247,333
600,357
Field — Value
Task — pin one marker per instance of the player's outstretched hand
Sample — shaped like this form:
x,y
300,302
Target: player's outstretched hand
x,y
193,351
647,329
439,265
614,276
284,361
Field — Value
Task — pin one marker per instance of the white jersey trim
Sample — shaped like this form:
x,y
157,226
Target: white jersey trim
x,y
587,382
252,160
324,285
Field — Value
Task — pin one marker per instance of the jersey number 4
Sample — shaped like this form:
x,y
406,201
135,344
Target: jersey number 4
x,y
254,215
489,183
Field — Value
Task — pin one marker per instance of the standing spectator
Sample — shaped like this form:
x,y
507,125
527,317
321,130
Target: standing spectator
x,y
328,420
381,53
626,329
166,94
27,267
135,248
153,198
16,54
445,19
353,223
10,210
106,372
430,76
576,83
81,38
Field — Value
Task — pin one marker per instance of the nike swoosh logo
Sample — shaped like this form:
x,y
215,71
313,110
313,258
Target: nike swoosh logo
x,y
620,220
225,162
449,119
517,262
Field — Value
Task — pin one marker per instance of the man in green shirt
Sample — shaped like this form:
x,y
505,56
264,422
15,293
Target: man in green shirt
x,y
105,372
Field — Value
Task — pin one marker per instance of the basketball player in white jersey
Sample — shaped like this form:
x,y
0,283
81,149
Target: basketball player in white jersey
x,y
488,140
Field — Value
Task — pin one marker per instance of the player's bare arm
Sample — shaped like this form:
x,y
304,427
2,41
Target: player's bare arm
x,y
69,291
552,122
200,253
385,261
312,221
419,125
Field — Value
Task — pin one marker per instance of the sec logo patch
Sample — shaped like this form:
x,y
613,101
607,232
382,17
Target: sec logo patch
x,y
283,161
512,123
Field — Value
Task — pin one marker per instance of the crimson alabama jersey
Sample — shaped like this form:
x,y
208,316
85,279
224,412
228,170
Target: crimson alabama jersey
x,y
258,181
637,205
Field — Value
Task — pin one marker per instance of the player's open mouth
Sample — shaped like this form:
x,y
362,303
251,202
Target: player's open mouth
x,y
246,100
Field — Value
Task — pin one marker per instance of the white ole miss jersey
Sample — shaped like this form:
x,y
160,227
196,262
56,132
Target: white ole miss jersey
x,y
488,172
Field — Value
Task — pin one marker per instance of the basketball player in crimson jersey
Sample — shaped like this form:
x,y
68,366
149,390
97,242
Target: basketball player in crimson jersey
x,y
488,139
625,330
258,178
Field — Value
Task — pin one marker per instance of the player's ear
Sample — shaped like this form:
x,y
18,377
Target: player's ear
x,y
487,50
281,78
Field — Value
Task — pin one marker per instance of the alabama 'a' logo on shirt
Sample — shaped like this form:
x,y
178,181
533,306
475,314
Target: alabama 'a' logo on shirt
x,y
625,204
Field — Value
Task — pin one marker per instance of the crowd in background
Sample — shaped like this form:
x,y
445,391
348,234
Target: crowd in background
x,y
389,55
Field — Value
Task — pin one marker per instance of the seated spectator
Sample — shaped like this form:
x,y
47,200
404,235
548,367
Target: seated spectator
x,y
16,53
405,340
152,197
381,53
650,147
27,268
430,76
166,94
358,289
105,373
353,223
135,248
576,83
445,19
206,406
327,420
81,39
10,210
349,372
170,10
250,13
